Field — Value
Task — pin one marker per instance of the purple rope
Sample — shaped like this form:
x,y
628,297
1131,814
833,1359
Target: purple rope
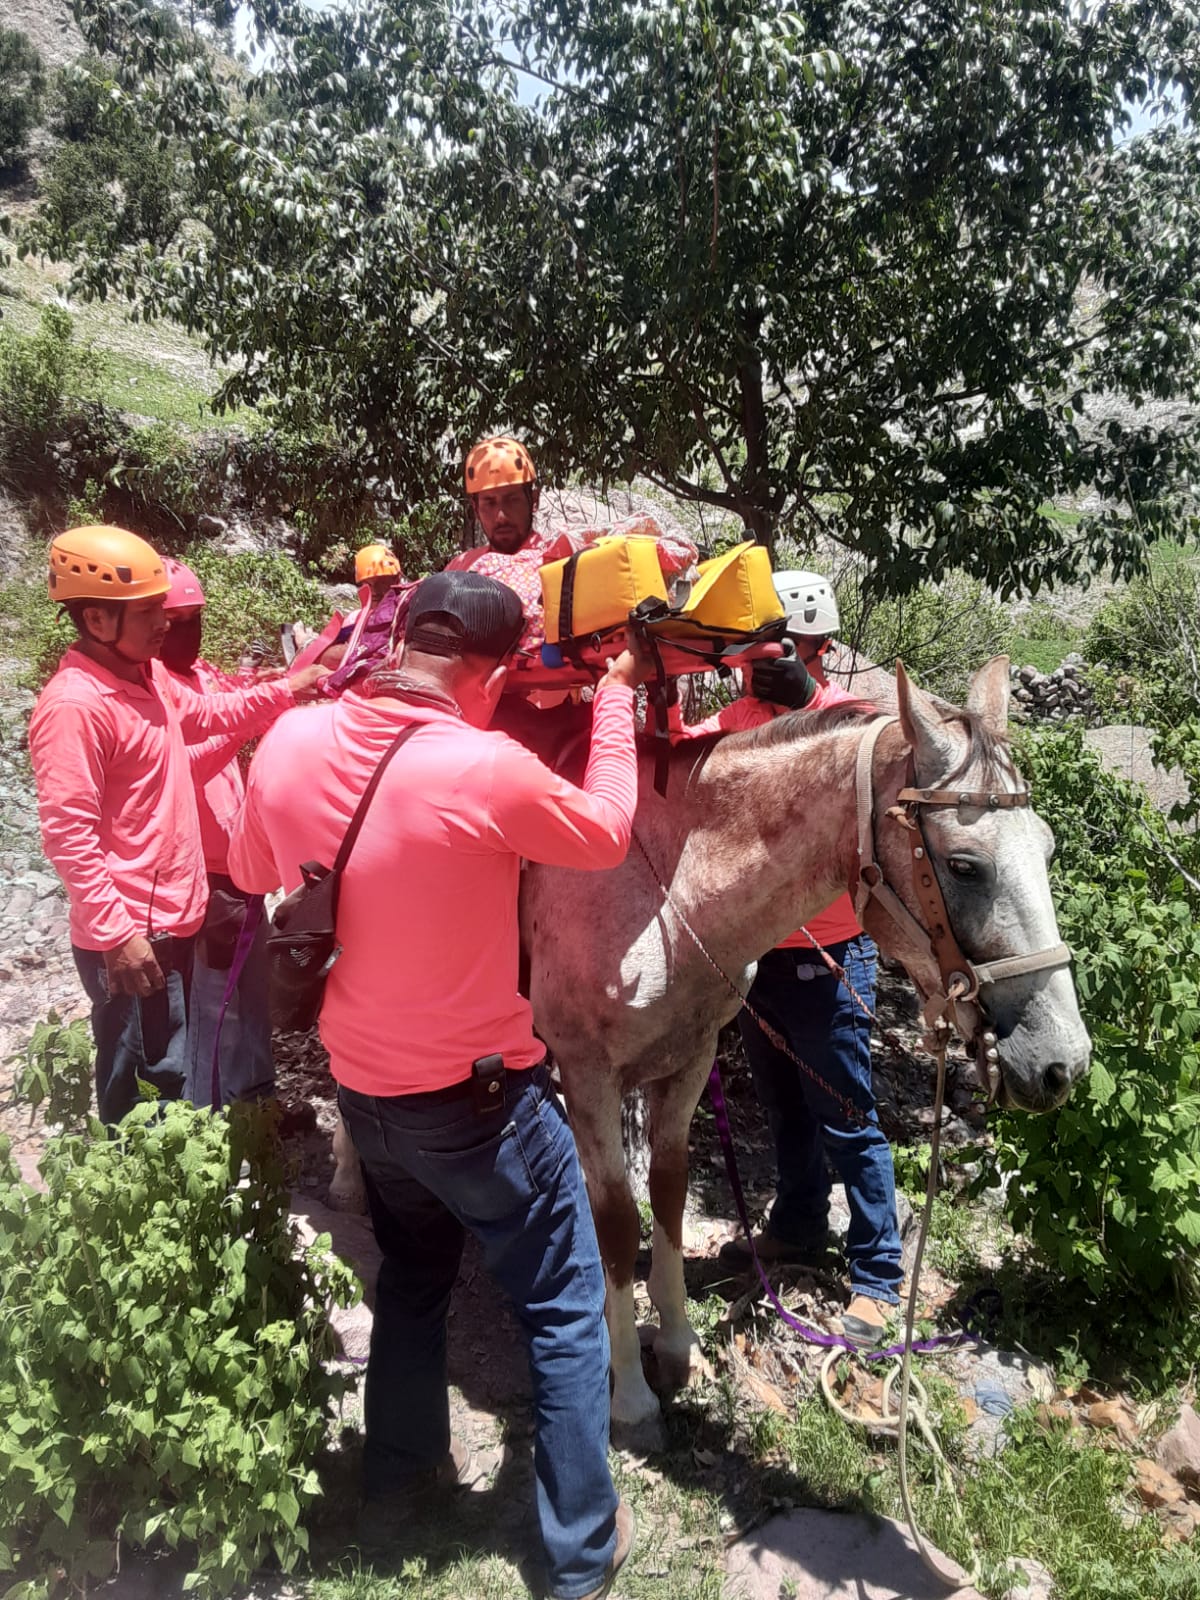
x,y
828,1341
250,924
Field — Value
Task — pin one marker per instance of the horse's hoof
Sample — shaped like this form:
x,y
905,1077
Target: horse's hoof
x,y
680,1369
351,1198
645,1438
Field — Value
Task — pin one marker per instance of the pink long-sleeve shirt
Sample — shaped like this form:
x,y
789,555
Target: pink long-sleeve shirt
x,y
115,796
427,915
216,775
837,922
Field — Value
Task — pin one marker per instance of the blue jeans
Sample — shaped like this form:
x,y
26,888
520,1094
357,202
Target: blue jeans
x,y
435,1168
137,1038
798,995
247,1065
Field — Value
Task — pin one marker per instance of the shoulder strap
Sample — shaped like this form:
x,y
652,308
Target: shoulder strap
x,y
356,822
566,598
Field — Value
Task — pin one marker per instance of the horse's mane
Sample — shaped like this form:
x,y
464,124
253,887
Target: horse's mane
x,y
795,725
989,749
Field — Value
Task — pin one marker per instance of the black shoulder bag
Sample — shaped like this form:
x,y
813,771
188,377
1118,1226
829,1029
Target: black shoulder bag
x,y
302,944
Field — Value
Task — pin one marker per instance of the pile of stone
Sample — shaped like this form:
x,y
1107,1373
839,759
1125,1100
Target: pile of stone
x,y
1057,696
36,972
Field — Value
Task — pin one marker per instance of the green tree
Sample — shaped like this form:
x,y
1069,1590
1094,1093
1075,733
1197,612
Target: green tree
x,y
22,81
109,179
1146,641
864,269
1107,1185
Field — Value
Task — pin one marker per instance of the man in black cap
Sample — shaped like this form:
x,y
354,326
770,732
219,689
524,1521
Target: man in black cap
x,y
442,1081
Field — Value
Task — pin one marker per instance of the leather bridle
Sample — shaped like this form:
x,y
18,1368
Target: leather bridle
x,y
961,979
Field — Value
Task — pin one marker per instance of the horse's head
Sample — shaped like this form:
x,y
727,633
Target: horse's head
x,y
990,863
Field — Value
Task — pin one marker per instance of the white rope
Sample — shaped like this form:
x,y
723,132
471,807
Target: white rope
x,y
896,1423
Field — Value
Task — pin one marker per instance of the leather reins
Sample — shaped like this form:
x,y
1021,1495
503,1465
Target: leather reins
x,y
961,978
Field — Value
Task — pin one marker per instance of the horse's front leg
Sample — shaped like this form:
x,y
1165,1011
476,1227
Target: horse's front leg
x,y
595,1108
677,1350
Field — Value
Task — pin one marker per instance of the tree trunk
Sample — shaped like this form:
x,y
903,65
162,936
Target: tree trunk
x,y
757,508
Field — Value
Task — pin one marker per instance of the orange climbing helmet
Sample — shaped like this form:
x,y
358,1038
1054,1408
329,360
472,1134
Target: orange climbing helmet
x,y
185,588
375,561
495,463
104,563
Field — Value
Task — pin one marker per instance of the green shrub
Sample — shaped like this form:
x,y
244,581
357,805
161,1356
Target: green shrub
x,y
942,633
86,507
248,597
329,489
106,179
424,539
1146,639
126,189
76,191
161,1353
1109,1185
22,82
44,378
55,1070
162,471
80,96
38,630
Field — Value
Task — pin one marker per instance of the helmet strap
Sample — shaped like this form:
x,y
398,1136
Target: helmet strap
x,y
108,652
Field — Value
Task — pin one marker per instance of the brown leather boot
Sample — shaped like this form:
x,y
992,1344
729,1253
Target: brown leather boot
x,y
865,1321
773,1252
385,1518
626,1534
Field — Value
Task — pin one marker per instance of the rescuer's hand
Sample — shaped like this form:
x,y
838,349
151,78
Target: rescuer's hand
x,y
304,683
634,665
784,681
132,968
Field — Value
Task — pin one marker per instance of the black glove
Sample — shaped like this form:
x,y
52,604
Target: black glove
x,y
784,680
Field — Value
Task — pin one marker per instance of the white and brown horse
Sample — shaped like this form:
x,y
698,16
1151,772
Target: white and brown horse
x,y
757,832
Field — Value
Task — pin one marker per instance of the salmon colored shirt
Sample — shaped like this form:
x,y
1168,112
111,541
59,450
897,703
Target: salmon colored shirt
x,y
115,795
521,571
427,913
216,775
837,922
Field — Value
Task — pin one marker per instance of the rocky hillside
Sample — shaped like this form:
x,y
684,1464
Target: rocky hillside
x,y
50,25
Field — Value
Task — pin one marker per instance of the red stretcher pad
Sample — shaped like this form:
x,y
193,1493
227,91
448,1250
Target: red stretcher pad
x,y
588,663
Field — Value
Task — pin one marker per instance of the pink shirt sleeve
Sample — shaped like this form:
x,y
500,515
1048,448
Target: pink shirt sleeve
x,y
540,816
748,712
211,756
744,713
241,712
70,753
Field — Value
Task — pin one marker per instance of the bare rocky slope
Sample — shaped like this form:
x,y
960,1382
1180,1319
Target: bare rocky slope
x,y
50,25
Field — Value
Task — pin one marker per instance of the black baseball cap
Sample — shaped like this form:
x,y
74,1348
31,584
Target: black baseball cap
x,y
464,613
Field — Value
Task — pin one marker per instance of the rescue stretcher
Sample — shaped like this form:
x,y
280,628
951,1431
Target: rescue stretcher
x,y
598,598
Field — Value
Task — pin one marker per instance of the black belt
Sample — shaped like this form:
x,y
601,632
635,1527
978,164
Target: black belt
x,y
452,1093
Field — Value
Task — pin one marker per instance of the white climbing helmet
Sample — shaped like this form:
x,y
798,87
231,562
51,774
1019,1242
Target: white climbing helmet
x,y
809,601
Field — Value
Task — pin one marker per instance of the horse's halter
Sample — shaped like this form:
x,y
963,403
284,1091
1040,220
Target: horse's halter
x,y
961,979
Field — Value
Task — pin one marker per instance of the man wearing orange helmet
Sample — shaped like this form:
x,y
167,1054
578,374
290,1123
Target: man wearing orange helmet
x,y
367,637
117,808
502,491
376,566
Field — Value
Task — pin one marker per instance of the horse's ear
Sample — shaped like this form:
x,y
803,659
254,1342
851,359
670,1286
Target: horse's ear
x,y
933,747
988,694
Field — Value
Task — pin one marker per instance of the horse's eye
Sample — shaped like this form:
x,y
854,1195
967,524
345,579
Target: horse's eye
x,y
962,868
